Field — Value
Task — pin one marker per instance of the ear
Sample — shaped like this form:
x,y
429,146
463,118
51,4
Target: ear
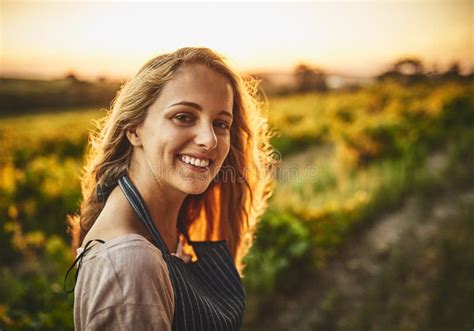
x,y
134,137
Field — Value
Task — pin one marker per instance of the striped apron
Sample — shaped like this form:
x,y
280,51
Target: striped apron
x,y
208,292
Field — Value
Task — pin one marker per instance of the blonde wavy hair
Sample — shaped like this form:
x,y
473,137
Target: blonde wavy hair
x,y
228,209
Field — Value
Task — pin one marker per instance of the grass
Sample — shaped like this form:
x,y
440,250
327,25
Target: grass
x,y
375,162
26,136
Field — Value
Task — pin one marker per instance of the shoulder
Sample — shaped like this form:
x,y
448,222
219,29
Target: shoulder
x,y
140,265
124,272
131,252
131,260
127,256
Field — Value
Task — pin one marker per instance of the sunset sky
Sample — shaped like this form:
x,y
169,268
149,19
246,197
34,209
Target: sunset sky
x,y
45,39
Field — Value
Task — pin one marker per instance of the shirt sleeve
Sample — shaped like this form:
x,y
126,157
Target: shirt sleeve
x,y
131,316
124,287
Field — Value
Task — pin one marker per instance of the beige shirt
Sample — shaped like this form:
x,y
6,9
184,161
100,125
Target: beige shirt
x,y
123,284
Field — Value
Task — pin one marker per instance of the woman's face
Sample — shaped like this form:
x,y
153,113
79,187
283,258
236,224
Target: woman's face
x,y
185,137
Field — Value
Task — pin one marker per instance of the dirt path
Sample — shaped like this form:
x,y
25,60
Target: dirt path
x,y
348,276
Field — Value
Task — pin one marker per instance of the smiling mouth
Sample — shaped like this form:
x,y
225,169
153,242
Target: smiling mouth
x,y
193,167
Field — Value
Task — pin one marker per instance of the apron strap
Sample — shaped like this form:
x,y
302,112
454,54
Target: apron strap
x,y
78,259
138,205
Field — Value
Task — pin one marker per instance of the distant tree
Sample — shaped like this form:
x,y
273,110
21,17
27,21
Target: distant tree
x,y
309,78
71,76
409,67
453,72
405,70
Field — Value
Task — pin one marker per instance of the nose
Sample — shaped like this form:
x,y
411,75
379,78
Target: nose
x,y
206,137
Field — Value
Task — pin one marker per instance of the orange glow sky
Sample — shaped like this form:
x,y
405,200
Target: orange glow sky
x,y
46,39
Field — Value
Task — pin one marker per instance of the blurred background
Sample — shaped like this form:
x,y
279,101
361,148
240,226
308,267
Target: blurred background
x,y
371,223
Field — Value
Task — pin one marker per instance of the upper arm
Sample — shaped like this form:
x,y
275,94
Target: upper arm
x,y
144,277
126,316
123,286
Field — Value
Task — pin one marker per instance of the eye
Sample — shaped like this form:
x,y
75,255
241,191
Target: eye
x,y
185,118
222,125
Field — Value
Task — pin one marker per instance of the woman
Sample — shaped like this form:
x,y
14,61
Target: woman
x,y
177,176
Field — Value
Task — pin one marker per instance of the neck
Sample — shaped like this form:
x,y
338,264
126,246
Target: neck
x,y
162,203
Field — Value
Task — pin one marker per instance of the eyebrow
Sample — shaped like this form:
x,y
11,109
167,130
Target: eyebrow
x,y
197,107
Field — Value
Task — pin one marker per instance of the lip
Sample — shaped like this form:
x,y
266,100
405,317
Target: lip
x,y
192,167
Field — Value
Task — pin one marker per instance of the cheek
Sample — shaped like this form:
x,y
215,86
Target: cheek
x,y
225,145
172,134
174,140
224,149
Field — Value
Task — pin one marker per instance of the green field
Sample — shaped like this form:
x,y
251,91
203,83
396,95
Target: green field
x,y
353,156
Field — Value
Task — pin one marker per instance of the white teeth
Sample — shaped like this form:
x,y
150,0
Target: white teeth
x,y
194,161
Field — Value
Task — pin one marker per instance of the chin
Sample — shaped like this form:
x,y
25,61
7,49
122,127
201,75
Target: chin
x,y
191,188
